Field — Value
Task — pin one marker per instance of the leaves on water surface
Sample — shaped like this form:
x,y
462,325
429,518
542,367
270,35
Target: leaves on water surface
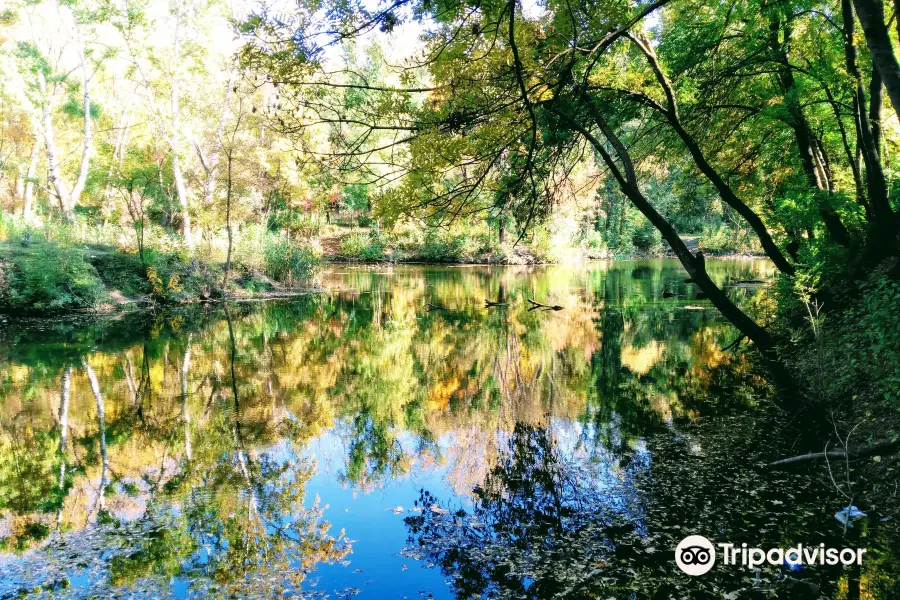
x,y
547,532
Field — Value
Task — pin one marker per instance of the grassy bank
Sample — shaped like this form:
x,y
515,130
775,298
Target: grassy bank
x,y
59,269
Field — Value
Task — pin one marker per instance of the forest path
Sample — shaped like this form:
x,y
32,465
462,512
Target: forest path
x,y
331,242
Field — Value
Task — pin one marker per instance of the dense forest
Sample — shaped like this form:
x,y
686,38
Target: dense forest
x,y
198,149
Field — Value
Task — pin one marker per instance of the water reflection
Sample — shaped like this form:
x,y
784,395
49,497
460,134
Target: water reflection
x,y
254,450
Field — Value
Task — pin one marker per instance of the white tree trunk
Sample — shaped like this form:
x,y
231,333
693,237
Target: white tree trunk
x,y
88,147
60,186
101,424
174,137
28,188
185,370
181,192
64,393
20,185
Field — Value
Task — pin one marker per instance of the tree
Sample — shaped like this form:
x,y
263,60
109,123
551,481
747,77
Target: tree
x,y
513,102
46,65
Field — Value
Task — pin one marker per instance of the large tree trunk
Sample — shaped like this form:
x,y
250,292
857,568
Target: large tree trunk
x,y
54,168
182,194
101,425
854,154
177,174
871,17
186,411
875,102
63,417
882,214
882,221
727,194
228,225
694,265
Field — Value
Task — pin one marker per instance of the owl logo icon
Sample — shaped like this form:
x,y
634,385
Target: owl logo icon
x,y
695,555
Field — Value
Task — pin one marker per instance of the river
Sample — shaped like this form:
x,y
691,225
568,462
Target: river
x,y
394,437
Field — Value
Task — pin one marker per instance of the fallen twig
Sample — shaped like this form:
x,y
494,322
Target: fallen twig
x,y
862,452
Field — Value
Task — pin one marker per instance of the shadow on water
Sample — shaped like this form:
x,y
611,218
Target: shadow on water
x,y
416,431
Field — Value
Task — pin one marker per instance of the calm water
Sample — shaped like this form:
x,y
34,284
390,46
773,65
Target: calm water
x,y
393,437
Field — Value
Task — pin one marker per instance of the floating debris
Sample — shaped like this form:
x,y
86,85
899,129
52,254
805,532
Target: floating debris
x,y
849,514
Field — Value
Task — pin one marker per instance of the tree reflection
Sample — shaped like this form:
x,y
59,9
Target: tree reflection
x,y
542,525
181,436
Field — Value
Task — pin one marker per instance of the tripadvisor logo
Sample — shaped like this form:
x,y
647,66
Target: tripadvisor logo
x,y
696,555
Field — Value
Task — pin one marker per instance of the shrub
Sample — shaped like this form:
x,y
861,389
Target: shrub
x,y
42,275
249,253
647,239
171,279
728,240
851,351
288,263
365,247
443,247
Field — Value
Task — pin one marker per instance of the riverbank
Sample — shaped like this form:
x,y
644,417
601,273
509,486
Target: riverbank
x,y
407,243
41,276
375,246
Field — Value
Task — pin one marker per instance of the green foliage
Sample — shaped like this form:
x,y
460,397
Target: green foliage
x,y
38,274
646,239
173,279
445,246
74,108
288,263
848,353
27,473
363,247
356,197
724,240
121,271
160,552
873,337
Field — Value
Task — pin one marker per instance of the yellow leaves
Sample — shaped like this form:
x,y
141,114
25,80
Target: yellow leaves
x,y
17,373
156,282
641,360
543,92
